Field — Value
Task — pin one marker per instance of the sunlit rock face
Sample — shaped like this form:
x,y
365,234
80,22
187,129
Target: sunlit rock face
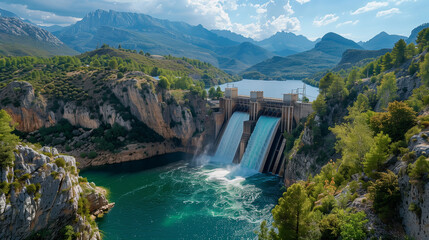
x,y
45,196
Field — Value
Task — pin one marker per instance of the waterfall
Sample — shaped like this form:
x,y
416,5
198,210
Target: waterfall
x,y
259,142
231,138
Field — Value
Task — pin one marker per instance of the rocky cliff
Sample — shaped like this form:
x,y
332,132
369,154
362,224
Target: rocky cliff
x,y
42,196
414,207
179,117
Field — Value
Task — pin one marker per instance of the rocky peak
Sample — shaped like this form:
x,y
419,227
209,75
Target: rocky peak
x,y
17,27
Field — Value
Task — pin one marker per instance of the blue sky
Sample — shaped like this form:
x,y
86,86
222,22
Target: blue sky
x,y
355,19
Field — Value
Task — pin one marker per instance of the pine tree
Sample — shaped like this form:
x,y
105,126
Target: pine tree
x,y
398,53
291,215
386,92
8,141
378,154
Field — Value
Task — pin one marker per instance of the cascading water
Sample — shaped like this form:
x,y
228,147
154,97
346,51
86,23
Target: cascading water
x,y
231,138
259,142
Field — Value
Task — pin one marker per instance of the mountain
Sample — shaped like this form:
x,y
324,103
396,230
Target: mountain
x,y
325,55
358,58
382,40
18,38
413,36
285,43
156,36
4,13
53,28
247,55
233,36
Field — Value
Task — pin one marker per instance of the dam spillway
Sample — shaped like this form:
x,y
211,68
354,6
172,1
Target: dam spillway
x,y
259,143
231,138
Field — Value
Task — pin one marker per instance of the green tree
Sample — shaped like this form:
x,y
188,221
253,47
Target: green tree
x,y
352,78
319,105
398,53
419,168
353,226
154,72
219,92
291,215
95,63
423,39
398,119
163,83
378,154
337,90
212,92
386,92
385,195
386,62
326,82
113,64
410,51
354,140
424,70
8,141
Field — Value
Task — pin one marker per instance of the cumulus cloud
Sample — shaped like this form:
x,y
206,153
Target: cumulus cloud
x,y
40,17
370,7
327,19
303,1
388,12
347,23
288,8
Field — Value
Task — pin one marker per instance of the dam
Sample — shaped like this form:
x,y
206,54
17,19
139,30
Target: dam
x,y
249,129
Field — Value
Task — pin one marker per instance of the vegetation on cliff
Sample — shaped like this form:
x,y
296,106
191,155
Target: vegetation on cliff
x,y
372,125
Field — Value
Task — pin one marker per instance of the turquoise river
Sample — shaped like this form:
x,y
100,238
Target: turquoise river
x,y
177,197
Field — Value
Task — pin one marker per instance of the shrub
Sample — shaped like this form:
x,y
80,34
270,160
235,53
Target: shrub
x,y
419,169
386,196
60,162
31,189
83,155
92,155
120,75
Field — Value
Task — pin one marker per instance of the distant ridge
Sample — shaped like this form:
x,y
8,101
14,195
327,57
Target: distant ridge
x,y
286,43
381,41
355,57
414,33
325,55
156,36
18,38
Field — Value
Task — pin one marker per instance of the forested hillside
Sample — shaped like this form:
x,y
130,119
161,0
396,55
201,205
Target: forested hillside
x,y
362,157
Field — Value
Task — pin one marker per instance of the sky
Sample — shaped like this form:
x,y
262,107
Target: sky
x,y
358,20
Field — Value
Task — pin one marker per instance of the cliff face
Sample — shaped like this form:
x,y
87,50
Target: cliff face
x,y
45,196
415,196
181,122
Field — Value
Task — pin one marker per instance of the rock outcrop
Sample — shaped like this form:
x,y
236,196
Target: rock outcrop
x,y
414,206
41,195
181,122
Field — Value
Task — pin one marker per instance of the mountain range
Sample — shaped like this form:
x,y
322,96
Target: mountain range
x,y
326,54
18,38
283,55
381,41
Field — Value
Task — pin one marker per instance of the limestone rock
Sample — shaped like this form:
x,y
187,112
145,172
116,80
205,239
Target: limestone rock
x,y
52,204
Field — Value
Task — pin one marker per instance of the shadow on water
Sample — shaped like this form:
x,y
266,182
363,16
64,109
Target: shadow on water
x,y
140,165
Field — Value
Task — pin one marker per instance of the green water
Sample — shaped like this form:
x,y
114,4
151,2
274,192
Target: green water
x,y
176,197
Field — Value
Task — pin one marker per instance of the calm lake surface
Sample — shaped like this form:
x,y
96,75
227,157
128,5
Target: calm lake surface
x,y
274,89
177,197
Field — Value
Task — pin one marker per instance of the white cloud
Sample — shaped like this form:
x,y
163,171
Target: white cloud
x,y
347,23
370,7
327,19
40,17
388,12
288,8
399,2
303,1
